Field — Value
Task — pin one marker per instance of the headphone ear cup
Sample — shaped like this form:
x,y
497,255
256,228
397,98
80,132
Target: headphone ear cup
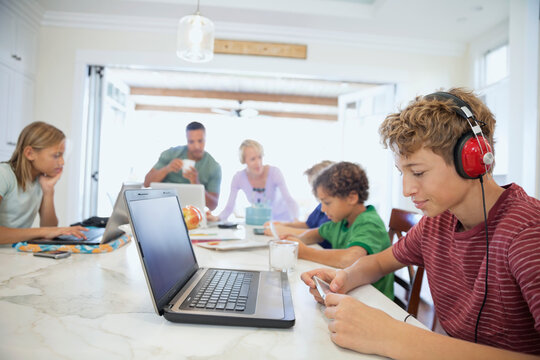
x,y
458,159
469,156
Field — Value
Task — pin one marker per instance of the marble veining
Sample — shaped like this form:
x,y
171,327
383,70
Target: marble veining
x,y
97,306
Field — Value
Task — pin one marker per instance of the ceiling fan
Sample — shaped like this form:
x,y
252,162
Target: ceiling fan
x,y
238,112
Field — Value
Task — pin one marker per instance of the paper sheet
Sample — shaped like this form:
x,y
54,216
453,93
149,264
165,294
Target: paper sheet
x,y
215,233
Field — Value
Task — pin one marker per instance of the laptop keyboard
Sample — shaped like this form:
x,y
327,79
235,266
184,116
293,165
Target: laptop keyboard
x,y
91,234
222,290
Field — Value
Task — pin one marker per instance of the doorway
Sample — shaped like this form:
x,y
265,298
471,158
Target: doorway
x,y
136,128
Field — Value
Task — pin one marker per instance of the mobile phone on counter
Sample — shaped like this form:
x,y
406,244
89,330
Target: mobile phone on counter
x,y
53,254
228,225
258,231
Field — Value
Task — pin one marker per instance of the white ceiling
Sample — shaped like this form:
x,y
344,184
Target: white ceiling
x,y
234,82
439,20
454,22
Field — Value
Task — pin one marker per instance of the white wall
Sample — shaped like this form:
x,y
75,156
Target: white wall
x,y
538,127
523,36
64,53
521,32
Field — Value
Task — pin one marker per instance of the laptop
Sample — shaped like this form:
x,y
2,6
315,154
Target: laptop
x,y
96,236
189,194
181,291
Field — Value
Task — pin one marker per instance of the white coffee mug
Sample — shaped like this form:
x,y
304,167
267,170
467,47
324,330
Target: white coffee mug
x,y
187,164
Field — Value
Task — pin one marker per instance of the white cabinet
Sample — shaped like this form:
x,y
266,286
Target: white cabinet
x,y
18,42
18,46
16,106
22,107
5,75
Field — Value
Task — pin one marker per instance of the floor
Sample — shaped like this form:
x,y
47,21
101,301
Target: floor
x,y
425,311
425,316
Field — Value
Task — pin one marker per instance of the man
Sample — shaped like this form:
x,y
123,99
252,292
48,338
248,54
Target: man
x,y
206,171
478,243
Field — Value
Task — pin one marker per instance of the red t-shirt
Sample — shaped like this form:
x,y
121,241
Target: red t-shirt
x,y
455,264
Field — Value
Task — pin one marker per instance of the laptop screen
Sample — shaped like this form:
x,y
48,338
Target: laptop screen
x,y
189,194
167,253
119,215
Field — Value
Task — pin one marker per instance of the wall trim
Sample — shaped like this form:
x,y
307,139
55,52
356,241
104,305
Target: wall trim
x,y
30,11
238,31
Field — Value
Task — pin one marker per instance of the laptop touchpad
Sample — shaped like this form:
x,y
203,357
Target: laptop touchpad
x,y
270,297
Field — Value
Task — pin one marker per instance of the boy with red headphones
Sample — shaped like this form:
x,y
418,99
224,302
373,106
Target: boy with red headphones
x,y
479,244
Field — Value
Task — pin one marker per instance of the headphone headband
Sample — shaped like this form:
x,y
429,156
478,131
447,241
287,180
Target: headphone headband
x,y
463,108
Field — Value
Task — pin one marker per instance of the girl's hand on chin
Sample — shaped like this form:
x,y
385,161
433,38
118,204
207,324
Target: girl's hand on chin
x,y
48,182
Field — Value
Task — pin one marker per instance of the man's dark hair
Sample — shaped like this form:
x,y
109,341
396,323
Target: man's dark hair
x,y
340,179
194,125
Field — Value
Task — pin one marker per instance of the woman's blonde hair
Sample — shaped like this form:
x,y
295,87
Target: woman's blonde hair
x,y
38,135
433,123
249,143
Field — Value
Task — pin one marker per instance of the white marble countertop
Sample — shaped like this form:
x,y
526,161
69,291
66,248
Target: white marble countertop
x,y
97,306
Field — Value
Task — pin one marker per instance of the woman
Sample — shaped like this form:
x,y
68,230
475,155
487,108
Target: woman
x,y
314,220
27,183
262,184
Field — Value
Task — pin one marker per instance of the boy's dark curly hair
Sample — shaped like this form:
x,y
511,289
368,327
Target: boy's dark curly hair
x,y
341,179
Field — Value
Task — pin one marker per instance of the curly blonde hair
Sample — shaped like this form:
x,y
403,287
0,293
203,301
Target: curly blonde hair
x,y
432,123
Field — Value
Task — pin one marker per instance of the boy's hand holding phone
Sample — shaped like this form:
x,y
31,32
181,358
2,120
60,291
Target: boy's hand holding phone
x,y
338,279
322,287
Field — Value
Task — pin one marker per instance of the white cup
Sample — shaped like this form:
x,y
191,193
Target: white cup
x,y
187,164
283,255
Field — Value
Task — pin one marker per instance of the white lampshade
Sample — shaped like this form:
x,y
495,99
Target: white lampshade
x,y
195,38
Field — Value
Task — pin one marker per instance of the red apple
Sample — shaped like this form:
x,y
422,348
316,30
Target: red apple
x,y
193,216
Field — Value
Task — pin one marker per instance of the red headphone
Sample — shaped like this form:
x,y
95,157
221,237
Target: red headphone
x,y
473,156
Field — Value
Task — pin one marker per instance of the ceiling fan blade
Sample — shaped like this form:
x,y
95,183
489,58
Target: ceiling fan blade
x,y
221,111
248,112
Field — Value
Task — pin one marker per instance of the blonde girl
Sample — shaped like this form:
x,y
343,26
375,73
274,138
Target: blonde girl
x,y
27,183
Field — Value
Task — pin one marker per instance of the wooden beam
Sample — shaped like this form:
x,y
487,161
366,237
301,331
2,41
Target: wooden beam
x,y
173,108
239,96
238,47
328,117
202,110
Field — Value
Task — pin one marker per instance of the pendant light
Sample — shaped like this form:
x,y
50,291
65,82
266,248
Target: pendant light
x,y
195,38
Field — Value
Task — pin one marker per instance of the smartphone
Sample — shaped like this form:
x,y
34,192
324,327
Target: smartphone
x,y
258,231
54,254
228,225
322,287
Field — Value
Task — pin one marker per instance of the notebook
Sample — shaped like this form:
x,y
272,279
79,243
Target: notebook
x,y
174,277
98,236
189,194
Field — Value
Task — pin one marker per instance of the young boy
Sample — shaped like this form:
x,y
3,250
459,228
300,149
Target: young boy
x,y
355,230
485,285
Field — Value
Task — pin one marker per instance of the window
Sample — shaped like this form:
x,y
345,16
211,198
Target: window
x,y
496,65
493,88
